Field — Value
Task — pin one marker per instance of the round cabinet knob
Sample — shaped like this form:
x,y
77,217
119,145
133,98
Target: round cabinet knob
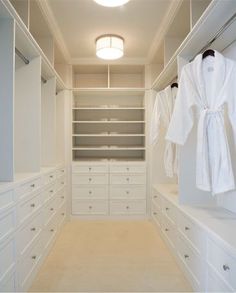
x,y
127,192
33,229
226,268
127,207
90,192
166,230
90,179
90,168
62,183
154,213
187,228
51,209
51,176
186,256
32,185
167,209
127,168
52,230
90,207
62,197
32,205
63,214
34,257
155,196
127,179
51,191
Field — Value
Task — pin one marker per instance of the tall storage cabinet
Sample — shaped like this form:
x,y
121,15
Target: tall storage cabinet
x,y
109,141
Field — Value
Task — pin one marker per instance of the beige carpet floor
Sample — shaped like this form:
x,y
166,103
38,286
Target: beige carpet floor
x,y
110,256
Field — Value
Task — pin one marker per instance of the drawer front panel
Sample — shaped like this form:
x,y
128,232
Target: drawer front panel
x,y
50,210
9,284
29,233
90,207
7,257
156,214
156,199
29,263
50,177
61,182
89,179
86,192
27,188
127,179
169,211
60,172
7,199
193,233
29,207
7,223
191,259
127,169
215,284
49,192
128,192
128,207
224,263
50,231
61,198
169,230
89,169
62,215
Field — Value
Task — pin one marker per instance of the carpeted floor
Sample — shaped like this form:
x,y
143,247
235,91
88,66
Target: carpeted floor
x,y
110,256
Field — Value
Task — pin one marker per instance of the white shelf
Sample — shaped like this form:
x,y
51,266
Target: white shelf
x,y
108,108
106,148
110,122
108,135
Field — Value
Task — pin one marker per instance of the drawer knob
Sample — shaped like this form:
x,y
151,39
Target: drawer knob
x,y
32,205
155,196
62,197
226,268
90,179
154,213
90,168
63,214
127,169
90,207
51,191
33,229
186,256
52,230
187,228
51,176
51,209
34,257
32,185
62,183
127,192
167,209
62,171
127,179
127,207
166,230
90,192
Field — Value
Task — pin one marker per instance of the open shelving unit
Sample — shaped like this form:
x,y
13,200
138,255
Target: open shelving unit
x,y
108,126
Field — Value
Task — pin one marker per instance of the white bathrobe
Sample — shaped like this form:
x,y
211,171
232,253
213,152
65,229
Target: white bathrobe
x,y
210,85
162,111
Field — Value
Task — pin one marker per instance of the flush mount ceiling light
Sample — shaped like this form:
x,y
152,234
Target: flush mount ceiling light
x,y
109,47
111,3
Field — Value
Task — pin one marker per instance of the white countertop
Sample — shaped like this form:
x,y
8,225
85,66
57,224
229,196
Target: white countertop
x,y
218,222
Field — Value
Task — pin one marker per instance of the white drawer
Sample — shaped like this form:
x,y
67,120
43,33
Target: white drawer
x,y
192,232
128,207
156,199
89,179
191,260
222,262
9,284
128,192
28,264
61,197
49,192
7,199
215,284
127,179
169,210
27,235
50,231
29,207
169,231
86,192
26,189
61,215
89,168
60,172
156,214
128,169
7,223
50,177
7,257
61,182
50,210
89,207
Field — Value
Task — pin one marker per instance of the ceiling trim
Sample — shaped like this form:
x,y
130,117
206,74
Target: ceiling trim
x,y
54,27
95,61
161,32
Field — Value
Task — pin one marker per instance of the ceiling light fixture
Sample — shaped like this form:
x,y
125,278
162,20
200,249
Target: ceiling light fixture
x,y
109,47
111,3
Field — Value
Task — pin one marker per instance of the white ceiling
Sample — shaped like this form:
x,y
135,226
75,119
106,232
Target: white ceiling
x,y
81,21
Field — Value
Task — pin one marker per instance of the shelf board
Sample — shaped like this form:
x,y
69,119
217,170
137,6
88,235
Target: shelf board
x,y
108,135
108,122
124,159
107,148
108,108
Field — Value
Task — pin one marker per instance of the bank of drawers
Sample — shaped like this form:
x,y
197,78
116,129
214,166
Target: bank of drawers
x,y
115,189
26,224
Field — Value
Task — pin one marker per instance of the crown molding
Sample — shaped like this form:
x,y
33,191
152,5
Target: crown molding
x,y
164,26
97,61
54,27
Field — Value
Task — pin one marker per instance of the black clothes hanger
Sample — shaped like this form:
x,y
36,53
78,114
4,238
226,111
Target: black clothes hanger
x,y
175,84
207,53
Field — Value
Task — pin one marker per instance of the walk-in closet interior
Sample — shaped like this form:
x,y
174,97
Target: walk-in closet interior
x,y
118,145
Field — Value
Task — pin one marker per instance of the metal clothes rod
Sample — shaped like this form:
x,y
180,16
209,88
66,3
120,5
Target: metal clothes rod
x,y
218,34
26,61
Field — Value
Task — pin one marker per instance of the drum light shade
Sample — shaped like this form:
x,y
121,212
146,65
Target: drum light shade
x,y
111,3
109,47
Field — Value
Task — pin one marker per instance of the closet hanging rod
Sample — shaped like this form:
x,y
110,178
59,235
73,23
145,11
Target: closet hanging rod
x,y
218,34
26,61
